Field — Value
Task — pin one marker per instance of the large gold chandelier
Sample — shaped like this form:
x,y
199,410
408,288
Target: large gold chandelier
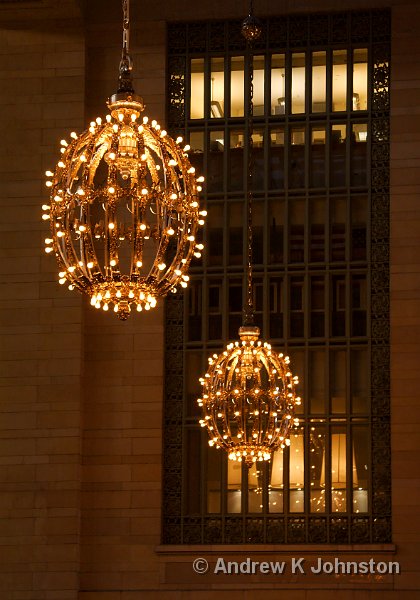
x,y
248,393
124,206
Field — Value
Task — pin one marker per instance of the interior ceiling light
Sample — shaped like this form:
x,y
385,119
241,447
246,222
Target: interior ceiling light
x,y
248,396
124,208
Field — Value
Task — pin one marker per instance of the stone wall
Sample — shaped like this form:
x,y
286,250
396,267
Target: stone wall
x,y
41,96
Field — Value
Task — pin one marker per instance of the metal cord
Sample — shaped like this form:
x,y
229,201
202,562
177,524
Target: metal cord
x,y
125,82
249,307
126,27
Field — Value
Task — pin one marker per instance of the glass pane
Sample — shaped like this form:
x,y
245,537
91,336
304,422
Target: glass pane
x,y
258,159
275,486
296,307
317,221
255,488
259,301
338,375
259,62
196,154
339,82
215,161
258,233
317,468
317,157
236,247
296,473
234,481
360,79
359,161
338,469
194,311
215,297
319,81
317,307
213,482
276,307
192,474
275,231
360,469
360,381
297,158
278,85
358,228
338,156
215,309
193,368
217,88
237,86
338,315
276,159
236,160
214,233
235,305
358,305
317,391
297,362
297,231
197,89
298,82
338,229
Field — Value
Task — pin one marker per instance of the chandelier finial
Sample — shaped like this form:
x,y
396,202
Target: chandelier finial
x,y
251,26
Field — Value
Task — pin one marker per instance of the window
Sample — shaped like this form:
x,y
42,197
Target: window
x,y
320,276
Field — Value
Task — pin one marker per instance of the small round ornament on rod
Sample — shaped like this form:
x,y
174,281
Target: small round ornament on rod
x,y
124,207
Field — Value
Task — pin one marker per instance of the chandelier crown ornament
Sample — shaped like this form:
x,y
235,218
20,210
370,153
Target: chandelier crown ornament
x,y
248,393
124,207
251,26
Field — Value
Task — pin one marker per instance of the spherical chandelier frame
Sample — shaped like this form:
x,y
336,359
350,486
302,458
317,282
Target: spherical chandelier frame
x,y
248,399
124,206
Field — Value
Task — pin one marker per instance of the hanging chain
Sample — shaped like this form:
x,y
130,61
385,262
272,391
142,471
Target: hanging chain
x,y
251,30
126,64
126,27
249,308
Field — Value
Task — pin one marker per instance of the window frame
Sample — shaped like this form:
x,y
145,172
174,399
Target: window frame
x,y
286,35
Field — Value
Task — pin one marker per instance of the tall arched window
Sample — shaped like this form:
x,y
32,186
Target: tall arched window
x,y
321,240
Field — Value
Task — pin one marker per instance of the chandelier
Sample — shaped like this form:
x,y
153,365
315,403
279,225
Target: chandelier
x,y
124,207
248,393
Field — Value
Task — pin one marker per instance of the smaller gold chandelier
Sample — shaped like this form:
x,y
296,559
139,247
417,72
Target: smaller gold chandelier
x,y
249,399
124,208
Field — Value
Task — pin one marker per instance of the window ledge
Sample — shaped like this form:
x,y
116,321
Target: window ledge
x,y
302,549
